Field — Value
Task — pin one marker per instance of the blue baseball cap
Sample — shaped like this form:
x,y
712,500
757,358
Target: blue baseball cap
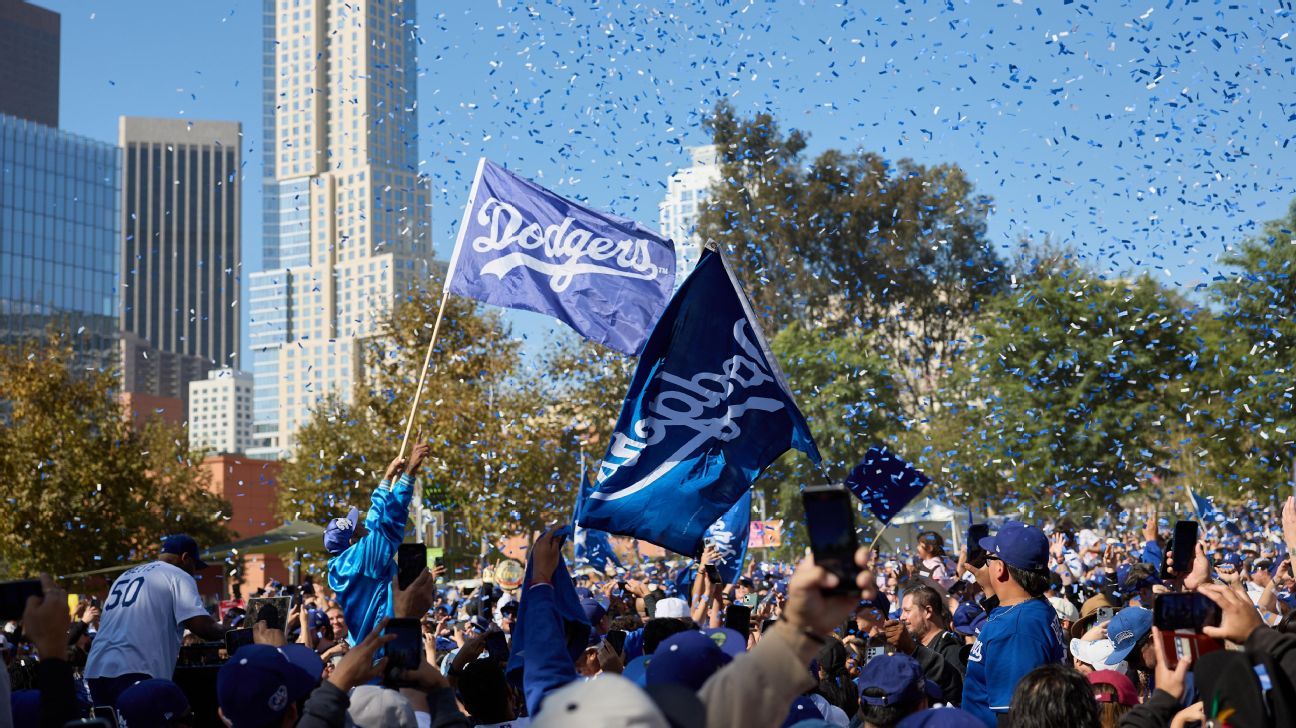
x,y
257,685
338,532
941,718
152,704
1019,545
802,709
687,658
729,640
892,680
1125,630
967,618
180,544
636,670
305,658
594,612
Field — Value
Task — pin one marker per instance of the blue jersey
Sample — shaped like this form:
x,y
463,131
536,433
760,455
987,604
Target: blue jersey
x,y
361,576
1013,641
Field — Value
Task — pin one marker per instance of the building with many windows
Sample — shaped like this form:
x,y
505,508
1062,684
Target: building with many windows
x,y
59,236
347,224
180,252
29,62
220,412
678,212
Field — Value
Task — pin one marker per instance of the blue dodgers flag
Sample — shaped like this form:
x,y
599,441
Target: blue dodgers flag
x,y
885,483
590,547
522,246
729,537
707,411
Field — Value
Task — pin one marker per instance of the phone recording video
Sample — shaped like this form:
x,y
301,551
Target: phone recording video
x,y
236,638
713,573
976,554
404,652
1181,616
13,597
830,523
497,644
411,560
738,618
1183,550
616,638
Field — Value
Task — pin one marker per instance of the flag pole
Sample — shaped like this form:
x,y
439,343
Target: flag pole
x,y
427,361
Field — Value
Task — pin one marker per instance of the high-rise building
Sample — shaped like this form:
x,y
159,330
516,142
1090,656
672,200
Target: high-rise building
x,y
347,222
220,412
29,62
59,236
180,252
686,191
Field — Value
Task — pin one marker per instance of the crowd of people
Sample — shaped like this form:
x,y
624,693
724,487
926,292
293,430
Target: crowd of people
x,y
1046,624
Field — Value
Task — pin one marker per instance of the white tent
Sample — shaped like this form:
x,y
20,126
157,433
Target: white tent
x,y
926,514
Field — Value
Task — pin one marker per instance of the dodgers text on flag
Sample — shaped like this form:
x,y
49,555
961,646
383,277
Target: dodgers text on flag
x,y
708,410
729,538
522,246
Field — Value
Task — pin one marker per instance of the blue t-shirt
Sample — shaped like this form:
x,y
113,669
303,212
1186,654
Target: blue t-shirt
x,y
1013,641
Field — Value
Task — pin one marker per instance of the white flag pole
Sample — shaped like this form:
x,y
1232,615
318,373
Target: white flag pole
x,y
427,357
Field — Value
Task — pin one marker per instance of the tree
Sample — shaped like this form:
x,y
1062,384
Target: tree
x,y
1082,377
852,241
504,455
83,489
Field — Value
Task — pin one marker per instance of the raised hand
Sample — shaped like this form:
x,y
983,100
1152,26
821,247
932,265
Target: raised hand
x,y
358,667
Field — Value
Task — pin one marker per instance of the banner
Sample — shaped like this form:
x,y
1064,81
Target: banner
x,y
885,483
765,534
729,538
522,246
590,547
708,410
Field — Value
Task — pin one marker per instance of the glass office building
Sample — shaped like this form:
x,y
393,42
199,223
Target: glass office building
x,y
59,237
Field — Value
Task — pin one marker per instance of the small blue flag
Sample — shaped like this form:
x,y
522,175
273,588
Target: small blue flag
x,y
729,537
590,546
708,410
885,483
522,246
1204,506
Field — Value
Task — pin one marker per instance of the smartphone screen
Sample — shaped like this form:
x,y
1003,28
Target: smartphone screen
x,y
713,573
617,638
236,638
497,644
404,652
1185,547
411,560
13,597
738,618
976,554
1184,612
830,523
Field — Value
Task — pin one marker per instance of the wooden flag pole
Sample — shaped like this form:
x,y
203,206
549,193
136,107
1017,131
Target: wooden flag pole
x,y
427,361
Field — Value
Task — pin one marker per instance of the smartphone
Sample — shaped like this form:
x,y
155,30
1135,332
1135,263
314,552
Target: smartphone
x,y
617,638
405,652
236,638
873,651
738,618
830,523
497,644
94,601
271,610
713,573
1105,614
1183,548
1181,616
13,597
976,554
411,560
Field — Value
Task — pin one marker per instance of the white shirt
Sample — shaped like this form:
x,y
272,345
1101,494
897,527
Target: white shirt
x,y
141,622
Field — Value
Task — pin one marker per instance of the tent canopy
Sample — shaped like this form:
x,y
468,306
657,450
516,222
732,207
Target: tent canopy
x,y
927,514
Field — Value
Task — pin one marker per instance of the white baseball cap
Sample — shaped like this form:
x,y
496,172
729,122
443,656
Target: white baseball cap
x,y
671,607
607,700
1096,652
1065,610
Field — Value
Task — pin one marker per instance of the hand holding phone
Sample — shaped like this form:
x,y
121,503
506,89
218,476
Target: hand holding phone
x,y
411,560
1180,618
406,651
830,523
976,556
1183,549
14,595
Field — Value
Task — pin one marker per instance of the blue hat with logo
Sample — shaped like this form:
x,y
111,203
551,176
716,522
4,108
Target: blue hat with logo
x,y
687,658
1125,630
337,534
257,685
152,704
180,544
892,680
729,640
1019,545
968,618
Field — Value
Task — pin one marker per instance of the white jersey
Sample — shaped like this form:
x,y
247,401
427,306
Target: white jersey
x,y
140,626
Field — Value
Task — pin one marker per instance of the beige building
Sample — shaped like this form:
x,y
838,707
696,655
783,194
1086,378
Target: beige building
x,y
678,212
350,226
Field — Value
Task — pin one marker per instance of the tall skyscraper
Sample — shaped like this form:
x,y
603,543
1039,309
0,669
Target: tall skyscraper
x,y
29,62
220,412
347,227
59,236
180,253
678,211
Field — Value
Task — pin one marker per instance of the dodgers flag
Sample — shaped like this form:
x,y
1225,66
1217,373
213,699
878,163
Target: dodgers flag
x,y
885,482
707,411
522,246
591,547
729,538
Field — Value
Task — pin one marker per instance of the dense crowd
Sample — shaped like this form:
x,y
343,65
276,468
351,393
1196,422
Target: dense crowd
x,y
1045,624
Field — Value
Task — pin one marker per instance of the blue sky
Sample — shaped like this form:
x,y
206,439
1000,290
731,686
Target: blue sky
x,y
1148,135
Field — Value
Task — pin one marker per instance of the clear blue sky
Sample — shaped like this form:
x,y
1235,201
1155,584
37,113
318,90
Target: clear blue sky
x,y
1147,135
